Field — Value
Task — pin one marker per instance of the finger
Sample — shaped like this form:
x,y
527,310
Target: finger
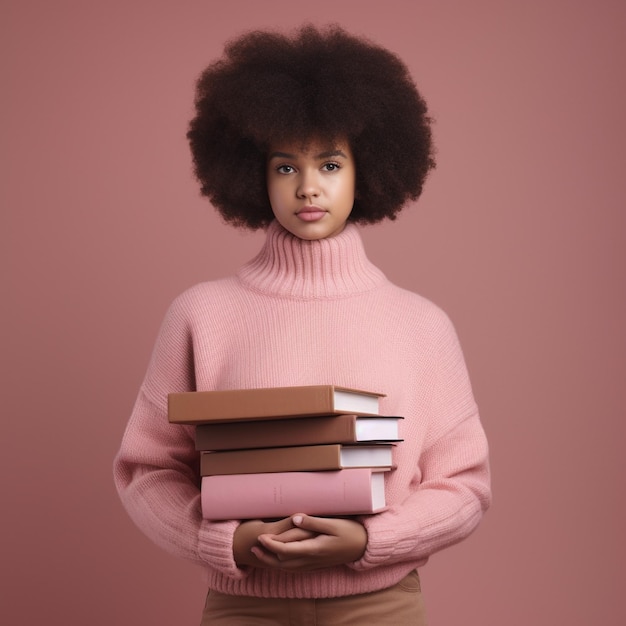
x,y
269,559
266,558
280,526
292,549
293,534
322,525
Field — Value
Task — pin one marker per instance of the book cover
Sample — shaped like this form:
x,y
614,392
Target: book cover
x,y
196,407
296,459
301,432
273,495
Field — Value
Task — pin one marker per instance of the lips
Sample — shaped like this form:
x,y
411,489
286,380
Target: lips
x,y
311,213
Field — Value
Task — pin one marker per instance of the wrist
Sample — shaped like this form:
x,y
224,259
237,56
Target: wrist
x,y
244,539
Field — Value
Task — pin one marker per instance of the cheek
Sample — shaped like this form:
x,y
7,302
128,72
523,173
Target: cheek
x,y
349,192
277,198
273,192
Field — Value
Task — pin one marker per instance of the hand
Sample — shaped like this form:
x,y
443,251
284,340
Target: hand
x,y
334,541
247,533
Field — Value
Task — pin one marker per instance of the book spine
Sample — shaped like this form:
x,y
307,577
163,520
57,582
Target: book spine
x,y
251,496
276,433
197,407
248,404
293,459
296,459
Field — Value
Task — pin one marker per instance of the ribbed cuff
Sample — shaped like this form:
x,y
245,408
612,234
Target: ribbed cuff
x,y
381,544
215,547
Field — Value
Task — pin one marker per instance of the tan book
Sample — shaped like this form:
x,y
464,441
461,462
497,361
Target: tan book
x,y
300,432
296,459
197,407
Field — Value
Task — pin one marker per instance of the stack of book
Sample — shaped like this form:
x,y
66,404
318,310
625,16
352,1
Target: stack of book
x,y
270,453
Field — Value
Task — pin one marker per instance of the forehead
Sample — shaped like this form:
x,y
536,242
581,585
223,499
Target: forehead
x,y
310,148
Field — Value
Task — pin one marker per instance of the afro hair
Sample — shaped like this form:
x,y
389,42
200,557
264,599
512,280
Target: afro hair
x,y
269,88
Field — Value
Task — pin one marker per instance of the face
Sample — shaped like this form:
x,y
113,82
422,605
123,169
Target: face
x,y
311,187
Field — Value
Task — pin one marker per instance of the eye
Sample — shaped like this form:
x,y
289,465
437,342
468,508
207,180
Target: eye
x,y
285,169
331,166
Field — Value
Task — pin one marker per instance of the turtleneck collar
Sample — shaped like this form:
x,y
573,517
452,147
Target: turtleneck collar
x,y
326,268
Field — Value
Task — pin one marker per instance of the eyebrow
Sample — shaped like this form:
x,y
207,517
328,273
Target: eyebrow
x,y
322,155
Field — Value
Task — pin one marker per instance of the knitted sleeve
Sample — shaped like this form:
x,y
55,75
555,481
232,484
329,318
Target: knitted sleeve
x,y
451,475
156,469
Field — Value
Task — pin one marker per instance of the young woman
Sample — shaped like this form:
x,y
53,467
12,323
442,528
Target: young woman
x,y
308,136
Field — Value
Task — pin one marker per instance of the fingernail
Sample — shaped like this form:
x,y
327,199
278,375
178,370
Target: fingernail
x,y
297,519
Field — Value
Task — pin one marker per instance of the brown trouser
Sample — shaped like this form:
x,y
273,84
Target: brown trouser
x,y
399,605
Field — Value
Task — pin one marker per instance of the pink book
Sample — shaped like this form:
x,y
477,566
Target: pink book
x,y
280,494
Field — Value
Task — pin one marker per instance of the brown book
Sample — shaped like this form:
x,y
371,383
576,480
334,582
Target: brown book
x,y
334,456
197,407
301,432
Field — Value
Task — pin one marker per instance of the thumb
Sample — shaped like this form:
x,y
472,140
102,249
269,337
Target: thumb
x,y
322,525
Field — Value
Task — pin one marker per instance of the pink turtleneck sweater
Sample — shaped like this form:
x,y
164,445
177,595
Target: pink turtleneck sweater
x,y
303,313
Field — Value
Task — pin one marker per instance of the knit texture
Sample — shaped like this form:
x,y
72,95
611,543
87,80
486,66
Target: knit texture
x,y
308,313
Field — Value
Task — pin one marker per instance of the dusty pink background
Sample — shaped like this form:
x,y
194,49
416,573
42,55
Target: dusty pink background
x,y
520,236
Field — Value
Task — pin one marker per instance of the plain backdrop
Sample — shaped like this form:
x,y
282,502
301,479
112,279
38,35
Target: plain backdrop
x,y
520,236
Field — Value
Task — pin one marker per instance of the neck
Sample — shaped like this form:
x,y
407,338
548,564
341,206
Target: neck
x,y
324,268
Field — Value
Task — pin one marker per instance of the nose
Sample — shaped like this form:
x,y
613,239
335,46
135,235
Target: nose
x,y
308,186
